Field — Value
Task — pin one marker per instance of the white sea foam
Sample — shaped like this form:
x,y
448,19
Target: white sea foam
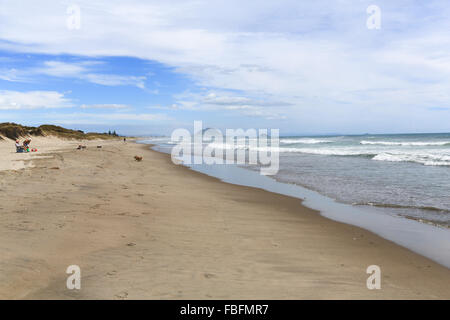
x,y
226,146
429,153
406,143
330,151
304,140
428,159
158,139
320,151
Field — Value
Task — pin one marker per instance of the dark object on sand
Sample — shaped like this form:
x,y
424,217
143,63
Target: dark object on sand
x,y
26,143
99,147
80,147
137,158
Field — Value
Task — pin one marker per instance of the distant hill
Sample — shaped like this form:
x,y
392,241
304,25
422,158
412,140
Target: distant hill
x,y
14,131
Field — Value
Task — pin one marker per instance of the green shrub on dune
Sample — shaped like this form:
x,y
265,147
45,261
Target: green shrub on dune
x,y
15,131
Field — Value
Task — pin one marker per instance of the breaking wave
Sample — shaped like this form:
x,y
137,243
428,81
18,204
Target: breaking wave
x,y
304,141
406,143
425,159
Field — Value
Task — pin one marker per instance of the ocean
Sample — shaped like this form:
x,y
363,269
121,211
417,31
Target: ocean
x,y
407,174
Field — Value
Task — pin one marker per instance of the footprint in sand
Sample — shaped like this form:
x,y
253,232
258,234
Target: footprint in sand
x,y
122,295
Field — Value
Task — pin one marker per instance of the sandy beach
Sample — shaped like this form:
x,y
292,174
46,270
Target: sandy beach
x,y
156,230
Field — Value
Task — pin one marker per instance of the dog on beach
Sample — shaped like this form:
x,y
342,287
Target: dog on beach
x,y
137,158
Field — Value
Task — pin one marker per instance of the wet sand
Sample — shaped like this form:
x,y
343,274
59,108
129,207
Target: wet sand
x,y
155,230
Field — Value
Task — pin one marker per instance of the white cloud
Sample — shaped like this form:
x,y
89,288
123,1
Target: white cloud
x,y
225,101
76,70
11,75
115,80
14,100
315,55
62,69
173,106
268,115
106,118
230,100
105,106
136,116
83,70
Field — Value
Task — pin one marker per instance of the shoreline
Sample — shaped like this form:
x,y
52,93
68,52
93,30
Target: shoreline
x,y
156,230
428,240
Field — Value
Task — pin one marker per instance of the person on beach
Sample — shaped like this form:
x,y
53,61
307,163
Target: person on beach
x,y
26,143
19,148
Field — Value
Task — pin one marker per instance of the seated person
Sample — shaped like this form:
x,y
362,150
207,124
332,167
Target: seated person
x,y
19,148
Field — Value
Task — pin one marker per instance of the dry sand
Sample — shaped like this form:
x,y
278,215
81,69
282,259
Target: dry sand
x,y
155,230
10,160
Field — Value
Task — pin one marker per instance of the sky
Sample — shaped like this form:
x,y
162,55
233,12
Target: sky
x,y
304,67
